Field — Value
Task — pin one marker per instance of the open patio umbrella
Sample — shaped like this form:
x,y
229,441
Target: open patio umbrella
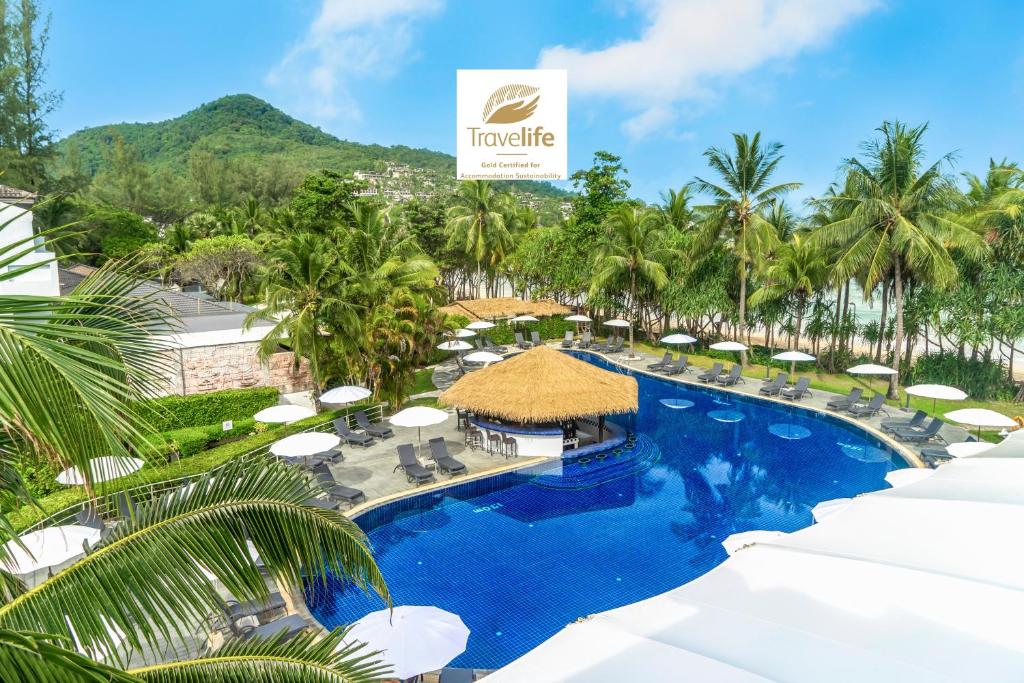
x,y
49,547
524,319
793,357
965,449
413,639
463,333
980,417
105,468
454,346
480,325
304,444
678,339
617,322
829,507
577,318
283,414
907,475
418,417
728,346
870,369
935,392
345,394
738,541
483,357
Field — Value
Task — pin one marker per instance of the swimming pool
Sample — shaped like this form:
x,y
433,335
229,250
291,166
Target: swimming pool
x,y
520,555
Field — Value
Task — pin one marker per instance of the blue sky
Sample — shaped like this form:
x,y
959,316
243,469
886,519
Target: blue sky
x,y
656,81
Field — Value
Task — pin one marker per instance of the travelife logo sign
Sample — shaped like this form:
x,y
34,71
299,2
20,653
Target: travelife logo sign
x,y
512,124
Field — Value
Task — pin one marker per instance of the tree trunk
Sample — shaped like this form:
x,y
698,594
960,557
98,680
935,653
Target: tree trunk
x,y
882,321
835,331
898,342
636,312
801,304
743,308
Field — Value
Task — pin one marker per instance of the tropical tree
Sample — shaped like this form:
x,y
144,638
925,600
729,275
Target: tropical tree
x,y
902,222
477,225
633,249
741,200
797,270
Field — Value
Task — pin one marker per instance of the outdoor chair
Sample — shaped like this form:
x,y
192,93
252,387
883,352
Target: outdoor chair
x,y
492,347
916,421
935,455
474,438
872,407
920,434
335,490
522,343
584,343
87,516
342,430
509,447
445,462
535,338
377,430
799,391
665,361
410,464
616,347
775,386
844,402
254,608
711,374
567,341
282,629
323,503
607,344
479,344
732,378
678,367
453,675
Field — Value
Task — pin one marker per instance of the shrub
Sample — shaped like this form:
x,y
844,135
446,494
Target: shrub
x,y
179,412
982,379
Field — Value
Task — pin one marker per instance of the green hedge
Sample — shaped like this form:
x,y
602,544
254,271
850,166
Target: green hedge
x,y
548,328
179,412
190,440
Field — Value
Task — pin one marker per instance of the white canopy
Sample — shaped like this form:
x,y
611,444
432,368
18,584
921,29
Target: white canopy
x,y
49,547
617,323
454,346
794,356
980,417
729,346
678,339
418,416
733,543
907,475
870,369
922,583
463,333
829,507
578,318
106,468
346,394
283,414
412,638
483,357
1010,447
936,391
304,444
480,325
526,319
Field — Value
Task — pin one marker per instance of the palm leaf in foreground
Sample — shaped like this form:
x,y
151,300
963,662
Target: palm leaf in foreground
x,y
307,658
34,658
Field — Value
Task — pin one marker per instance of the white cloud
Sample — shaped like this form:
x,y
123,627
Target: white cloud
x,y
348,40
690,48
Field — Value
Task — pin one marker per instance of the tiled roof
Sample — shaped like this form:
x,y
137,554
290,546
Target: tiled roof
x,y
12,194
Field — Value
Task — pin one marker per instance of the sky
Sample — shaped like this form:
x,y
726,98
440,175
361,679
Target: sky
x,y
654,81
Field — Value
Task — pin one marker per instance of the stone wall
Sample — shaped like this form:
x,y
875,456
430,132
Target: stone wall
x,y
234,366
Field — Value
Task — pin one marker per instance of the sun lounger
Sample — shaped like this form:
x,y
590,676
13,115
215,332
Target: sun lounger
x,y
445,462
872,407
567,341
799,391
661,364
452,675
732,378
535,338
711,374
492,347
844,402
919,434
916,421
775,386
678,367
335,490
408,462
616,347
380,431
522,343
291,626
253,608
342,430
585,342
608,343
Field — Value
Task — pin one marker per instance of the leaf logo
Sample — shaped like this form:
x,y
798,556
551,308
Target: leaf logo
x,y
511,103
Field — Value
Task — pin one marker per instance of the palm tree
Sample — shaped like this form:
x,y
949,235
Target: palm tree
x,y
900,223
633,248
477,225
676,209
740,202
798,269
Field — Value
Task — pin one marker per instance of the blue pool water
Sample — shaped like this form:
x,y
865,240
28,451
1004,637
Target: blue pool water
x,y
520,555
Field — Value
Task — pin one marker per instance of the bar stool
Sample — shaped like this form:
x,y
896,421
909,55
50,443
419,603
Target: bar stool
x,y
462,419
474,438
494,446
510,447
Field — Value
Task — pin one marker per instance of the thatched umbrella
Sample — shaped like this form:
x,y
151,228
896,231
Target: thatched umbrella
x,y
543,385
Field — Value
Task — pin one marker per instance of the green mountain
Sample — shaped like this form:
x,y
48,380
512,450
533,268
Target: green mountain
x,y
246,127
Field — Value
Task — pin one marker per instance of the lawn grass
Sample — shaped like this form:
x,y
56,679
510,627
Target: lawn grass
x,y
422,382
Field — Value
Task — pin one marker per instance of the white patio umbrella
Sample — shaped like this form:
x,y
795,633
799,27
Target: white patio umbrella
x,y
793,357
870,369
345,394
678,339
483,357
524,319
578,318
907,475
965,449
617,322
418,417
49,547
283,414
304,444
738,541
935,392
412,638
829,507
980,417
105,468
454,346
480,325
728,346
463,333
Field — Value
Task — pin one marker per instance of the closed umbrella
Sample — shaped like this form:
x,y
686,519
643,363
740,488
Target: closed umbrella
x,y
678,339
49,547
793,357
412,639
283,414
935,392
980,417
304,444
454,346
418,417
870,369
346,394
105,468
480,325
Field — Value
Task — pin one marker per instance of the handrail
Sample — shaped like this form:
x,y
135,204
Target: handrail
x,y
106,505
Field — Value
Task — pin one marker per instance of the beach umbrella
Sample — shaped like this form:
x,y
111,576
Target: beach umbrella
x,y
462,333
870,369
965,449
728,346
524,319
454,346
283,414
482,357
49,547
480,325
412,639
617,323
793,357
829,507
980,417
678,339
105,468
578,318
304,444
908,475
935,392
739,541
418,417
345,394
